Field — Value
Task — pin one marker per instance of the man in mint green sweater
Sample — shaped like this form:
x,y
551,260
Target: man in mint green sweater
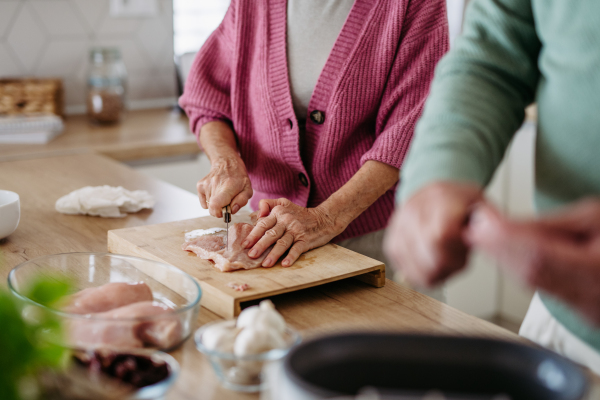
x,y
511,53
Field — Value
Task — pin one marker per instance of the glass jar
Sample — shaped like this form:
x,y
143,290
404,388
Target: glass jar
x,y
107,80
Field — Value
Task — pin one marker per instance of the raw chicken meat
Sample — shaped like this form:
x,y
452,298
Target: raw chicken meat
x,y
119,327
212,247
239,287
107,297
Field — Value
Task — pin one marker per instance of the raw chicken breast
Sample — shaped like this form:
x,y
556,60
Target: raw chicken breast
x,y
107,297
90,333
124,331
212,247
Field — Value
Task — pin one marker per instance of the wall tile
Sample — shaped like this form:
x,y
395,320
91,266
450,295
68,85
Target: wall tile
x,y
58,17
166,13
166,61
8,10
52,38
111,26
165,84
8,66
27,39
63,57
135,59
153,37
75,91
93,12
139,85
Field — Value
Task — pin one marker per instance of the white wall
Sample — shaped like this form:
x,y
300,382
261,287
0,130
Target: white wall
x,y
515,297
52,38
483,290
476,290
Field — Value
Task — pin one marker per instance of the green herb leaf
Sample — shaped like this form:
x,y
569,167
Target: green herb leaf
x,y
48,292
29,344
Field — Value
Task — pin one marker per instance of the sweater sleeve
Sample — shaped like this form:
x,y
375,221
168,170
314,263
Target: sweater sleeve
x,y
478,97
206,96
424,40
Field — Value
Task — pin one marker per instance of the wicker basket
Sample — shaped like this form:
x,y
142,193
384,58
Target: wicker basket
x,y
31,96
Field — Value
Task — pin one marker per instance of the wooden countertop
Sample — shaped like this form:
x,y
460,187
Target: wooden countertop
x,y
141,135
343,305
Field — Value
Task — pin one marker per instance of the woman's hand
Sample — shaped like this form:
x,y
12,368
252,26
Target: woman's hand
x,y
289,226
299,229
226,184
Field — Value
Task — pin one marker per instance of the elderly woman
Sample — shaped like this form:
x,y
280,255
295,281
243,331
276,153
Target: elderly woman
x,y
306,109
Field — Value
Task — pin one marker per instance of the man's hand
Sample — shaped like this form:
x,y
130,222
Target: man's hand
x,y
227,183
425,236
559,253
289,226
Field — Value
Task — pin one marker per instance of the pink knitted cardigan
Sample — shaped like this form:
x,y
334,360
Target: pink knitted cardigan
x,y
371,92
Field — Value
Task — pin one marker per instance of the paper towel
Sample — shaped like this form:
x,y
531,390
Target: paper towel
x,y
104,201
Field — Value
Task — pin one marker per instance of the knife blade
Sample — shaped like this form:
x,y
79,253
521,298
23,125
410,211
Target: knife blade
x,y
227,219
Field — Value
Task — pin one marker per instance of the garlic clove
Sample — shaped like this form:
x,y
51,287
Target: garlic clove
x,y
251,341
263,314
247,317
220,336
271,317
256,340
266,305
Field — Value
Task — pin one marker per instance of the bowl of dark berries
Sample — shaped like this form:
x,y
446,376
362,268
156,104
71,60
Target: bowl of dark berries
x,y
111,374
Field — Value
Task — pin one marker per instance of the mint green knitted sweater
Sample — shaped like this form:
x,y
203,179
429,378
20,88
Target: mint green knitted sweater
x,y
514,52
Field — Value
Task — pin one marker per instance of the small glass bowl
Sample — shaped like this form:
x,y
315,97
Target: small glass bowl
x,y
170,286
83,382
159,389
246,373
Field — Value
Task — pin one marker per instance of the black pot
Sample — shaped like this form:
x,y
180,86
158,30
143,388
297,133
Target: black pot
x,y
410,366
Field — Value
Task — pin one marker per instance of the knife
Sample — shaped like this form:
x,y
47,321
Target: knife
x,y
227,219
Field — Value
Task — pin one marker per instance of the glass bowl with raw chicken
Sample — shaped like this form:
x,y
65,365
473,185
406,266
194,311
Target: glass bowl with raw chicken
x,y
117,301
240,350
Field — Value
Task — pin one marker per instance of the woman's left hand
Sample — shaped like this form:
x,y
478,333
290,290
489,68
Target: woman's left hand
x,y
289,226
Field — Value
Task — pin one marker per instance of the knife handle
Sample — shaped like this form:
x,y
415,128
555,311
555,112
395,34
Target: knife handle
x,y
226,214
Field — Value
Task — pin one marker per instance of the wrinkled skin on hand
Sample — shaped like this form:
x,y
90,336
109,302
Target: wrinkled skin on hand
x,y
558,253
424,240
289,226
227,183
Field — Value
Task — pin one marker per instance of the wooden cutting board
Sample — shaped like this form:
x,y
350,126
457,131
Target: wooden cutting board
x,y
163,242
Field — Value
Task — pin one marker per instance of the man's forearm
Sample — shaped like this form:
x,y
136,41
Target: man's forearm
x,y
371,181
477,98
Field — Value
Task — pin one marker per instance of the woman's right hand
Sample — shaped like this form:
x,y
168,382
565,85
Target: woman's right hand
x,y
226,184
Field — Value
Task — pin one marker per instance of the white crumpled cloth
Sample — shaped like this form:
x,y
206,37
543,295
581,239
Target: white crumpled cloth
x,y
104,201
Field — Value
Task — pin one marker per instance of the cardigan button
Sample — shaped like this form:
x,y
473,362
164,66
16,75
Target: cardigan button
x,y
291,123
303,179
318,117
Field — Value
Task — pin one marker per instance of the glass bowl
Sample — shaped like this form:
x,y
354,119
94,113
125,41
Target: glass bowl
x,y
110,374
245,373
159,389
170,286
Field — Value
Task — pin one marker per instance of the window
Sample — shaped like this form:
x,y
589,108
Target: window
x,y
194,21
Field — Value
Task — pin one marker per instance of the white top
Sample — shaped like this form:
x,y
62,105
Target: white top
x,y
312,29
